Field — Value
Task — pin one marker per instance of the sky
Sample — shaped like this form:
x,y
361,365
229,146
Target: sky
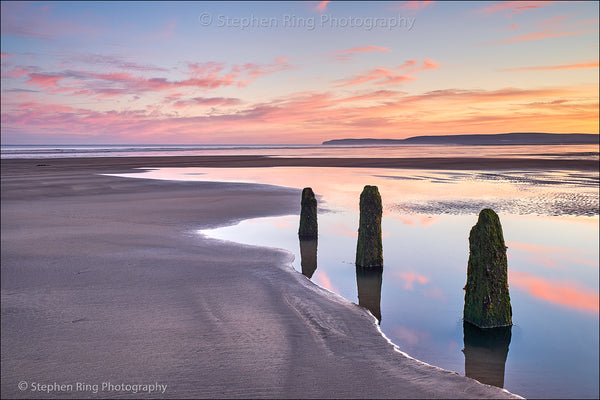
x,y
294,72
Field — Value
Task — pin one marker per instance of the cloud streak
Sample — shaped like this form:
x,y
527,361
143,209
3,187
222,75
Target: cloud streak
x,y
346,54
208,76
514,7
391,76
562,67
543,34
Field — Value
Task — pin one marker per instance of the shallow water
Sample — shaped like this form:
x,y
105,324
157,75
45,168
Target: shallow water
x,y
550,224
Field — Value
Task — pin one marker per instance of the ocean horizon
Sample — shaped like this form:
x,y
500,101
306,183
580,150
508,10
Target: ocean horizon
x,y
28,151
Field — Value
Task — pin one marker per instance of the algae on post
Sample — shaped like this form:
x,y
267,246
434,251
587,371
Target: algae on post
x,y
308,215
487,301
369,250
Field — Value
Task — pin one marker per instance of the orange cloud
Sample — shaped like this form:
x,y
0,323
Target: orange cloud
x,y
322,6
564,293
586,65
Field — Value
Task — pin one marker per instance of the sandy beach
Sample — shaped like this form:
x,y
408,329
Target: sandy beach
x,y
103,280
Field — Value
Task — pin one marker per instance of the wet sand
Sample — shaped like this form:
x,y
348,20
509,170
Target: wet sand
x,y
124,164
103,280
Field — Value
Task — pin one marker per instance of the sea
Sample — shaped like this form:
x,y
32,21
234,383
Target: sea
x,y
550,221
67,151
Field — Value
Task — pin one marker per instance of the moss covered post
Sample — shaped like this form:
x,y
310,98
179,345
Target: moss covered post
x,y
308,215
487,301
369,250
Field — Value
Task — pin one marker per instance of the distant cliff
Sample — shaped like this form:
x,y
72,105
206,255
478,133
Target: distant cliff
x,y
518,138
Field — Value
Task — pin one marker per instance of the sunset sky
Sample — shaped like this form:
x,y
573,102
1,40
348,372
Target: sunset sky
x,y
294,72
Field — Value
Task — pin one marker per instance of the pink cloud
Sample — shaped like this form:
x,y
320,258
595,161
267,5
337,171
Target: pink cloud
x,y
414,6
514,7
44,80
16,72
585,65
552,22
410,278
322,6
210,75
564,293
377,74
511,27
346,54
114,61
382,76
429,64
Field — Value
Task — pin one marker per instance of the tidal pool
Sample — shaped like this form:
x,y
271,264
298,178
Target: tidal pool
x,y
550,224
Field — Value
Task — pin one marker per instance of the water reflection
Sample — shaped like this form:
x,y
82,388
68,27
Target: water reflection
x,y
563,250
369,282
308,256
485,353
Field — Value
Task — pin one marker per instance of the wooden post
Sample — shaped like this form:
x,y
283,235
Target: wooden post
x,y
487,301
369,250
308,215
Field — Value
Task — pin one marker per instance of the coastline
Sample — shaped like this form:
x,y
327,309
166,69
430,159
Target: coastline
x,y
102,280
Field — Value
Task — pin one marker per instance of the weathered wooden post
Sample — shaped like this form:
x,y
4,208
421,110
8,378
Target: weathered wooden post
x,y
369,250
308,215
487,301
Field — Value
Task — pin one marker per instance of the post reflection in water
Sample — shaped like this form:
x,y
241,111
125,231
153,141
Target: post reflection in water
x,y
368,280
485,353
308,256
